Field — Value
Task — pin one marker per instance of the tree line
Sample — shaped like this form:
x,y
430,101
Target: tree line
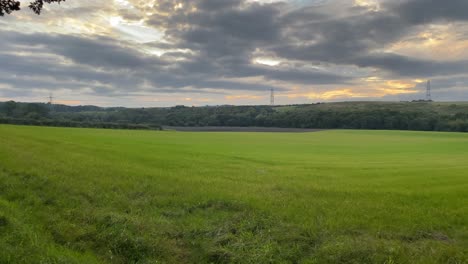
x,y
423,116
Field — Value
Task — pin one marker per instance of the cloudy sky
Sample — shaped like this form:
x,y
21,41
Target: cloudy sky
x,y
211,52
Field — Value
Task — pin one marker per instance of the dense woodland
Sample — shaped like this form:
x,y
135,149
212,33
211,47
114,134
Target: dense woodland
x,y
426,116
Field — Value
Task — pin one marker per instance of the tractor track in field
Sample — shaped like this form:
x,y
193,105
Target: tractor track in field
x,y
240,129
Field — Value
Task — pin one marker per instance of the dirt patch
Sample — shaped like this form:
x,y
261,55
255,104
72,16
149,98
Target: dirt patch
x,y
426,236
240,129
3,221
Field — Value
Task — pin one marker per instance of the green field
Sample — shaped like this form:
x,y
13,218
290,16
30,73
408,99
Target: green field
x,y
117,196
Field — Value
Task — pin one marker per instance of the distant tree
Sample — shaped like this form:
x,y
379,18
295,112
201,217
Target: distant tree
x,y
8,6
9,108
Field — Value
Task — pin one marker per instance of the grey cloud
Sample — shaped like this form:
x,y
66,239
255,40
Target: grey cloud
x,y
228,32
124,75
223,36
404,66
340,40
426,11
98,52
210,5
239,86
43,67
458,82
306,77
357,39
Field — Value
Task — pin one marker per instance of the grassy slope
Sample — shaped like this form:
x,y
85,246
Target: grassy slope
x,y
97,196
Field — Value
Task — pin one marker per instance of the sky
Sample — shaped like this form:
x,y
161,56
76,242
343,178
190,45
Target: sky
x,y
157,53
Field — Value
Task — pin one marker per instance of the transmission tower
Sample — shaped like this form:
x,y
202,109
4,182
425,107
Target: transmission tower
x,y
51,102
272,96
51,99
428,91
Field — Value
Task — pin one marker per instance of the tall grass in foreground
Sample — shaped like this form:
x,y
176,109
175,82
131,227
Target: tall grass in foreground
x,y
110,196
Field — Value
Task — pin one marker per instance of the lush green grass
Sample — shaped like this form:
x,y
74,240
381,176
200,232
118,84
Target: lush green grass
x,y
108,196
